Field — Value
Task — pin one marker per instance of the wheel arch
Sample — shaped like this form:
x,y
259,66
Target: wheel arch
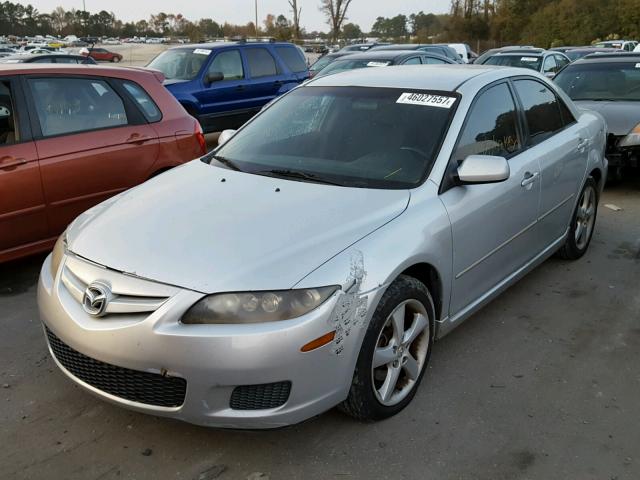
x,y
596,173
431,278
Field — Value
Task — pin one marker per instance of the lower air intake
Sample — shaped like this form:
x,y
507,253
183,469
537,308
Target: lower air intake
x,y
260,397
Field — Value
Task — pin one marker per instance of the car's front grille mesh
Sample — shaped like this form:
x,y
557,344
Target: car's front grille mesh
x,y
260,397
142,387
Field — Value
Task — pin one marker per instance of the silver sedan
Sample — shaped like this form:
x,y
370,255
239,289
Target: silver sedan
x,y
313,258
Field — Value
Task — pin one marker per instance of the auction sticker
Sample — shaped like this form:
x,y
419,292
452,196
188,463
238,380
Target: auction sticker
x,y
426,100
377,64
202,51
528,59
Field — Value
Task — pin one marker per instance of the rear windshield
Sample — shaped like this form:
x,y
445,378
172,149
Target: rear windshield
x,y
522,61
321,63
343,65
180,64
349,136
601,81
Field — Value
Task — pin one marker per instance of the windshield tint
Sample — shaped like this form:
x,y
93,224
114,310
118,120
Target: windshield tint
x,y
522,61
343,65
180,64
350,136
601,81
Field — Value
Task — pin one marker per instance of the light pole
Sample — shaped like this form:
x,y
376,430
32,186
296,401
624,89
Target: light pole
x,y
84,16
256,2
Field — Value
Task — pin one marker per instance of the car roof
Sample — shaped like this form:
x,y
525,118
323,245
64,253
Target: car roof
x,y
518,53
416,77
219,45
28,56
381,55
614,57
76,69
398,46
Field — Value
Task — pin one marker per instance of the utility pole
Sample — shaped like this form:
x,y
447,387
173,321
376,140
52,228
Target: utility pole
x,y
84,16
256,1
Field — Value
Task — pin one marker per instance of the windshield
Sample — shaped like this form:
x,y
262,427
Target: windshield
x,y
349,136
180,63
601,81
522,61
577,54
344,65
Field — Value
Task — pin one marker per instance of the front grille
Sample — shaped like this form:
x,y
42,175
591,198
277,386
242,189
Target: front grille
x,y
142,387
260,397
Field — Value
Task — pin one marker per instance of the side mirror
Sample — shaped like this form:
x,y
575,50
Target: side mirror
x,y
212,77
225,136
483,169
550,75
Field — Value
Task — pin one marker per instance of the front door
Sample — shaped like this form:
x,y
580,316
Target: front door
x,y
493,225
91,142
225,103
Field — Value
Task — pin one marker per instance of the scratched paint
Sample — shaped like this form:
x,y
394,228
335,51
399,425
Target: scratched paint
x,y
351,308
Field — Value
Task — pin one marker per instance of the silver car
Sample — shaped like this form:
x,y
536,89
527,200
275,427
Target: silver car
x,y
314,257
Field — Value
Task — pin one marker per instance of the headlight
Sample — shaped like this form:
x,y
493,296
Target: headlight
x,y
256,307
59,250
632,139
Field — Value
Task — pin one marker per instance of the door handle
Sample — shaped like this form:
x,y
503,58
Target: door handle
x,y
137,138
278,83
240,88
11,162
529,178
582,144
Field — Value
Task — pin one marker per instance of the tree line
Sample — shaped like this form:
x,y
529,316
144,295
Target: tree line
x,y
499,22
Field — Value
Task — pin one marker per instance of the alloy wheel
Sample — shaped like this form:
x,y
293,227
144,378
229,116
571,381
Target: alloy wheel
x,y
585,217
401,352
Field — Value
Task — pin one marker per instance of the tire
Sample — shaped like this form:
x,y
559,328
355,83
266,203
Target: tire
x,y
366,400
115,59
583,223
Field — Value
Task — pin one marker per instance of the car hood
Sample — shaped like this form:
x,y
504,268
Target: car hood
x,y
173,81
211,229
621,117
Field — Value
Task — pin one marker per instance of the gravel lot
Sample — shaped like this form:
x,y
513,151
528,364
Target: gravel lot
x,y
542,384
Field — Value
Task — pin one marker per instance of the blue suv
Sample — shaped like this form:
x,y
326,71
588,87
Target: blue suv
x,y
224,84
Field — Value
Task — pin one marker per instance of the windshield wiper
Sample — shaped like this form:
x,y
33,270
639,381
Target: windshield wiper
x,y
308,177
226,162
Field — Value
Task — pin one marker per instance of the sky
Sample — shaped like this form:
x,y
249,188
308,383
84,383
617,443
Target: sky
x,y
361,12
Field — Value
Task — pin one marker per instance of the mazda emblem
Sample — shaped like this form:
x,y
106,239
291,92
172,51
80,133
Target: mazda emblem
x,y
96,299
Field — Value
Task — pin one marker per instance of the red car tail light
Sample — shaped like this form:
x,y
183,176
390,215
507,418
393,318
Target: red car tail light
x,y
200,137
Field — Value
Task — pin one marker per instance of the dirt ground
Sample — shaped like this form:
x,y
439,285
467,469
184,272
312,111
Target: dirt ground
x,y
544,383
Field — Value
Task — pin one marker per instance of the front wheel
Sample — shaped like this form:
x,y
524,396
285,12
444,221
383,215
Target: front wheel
x,y
394,353
115,59
582,223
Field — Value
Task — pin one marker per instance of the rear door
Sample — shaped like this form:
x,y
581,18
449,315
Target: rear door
x,y
92,141
561,145
23,219
295,61
265,79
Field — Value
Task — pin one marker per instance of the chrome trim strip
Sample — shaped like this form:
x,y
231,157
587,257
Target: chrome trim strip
x,y
495,250
557,207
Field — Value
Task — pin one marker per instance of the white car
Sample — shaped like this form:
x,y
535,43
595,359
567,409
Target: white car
x,y
464,51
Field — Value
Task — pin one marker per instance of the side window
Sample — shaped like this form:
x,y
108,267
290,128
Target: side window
x,y
292,58
71,105
541,109
413,61
567,116
561,61
145,102
228,63
43,60
66,60
433,61
261,63
8,125
491,127
549,65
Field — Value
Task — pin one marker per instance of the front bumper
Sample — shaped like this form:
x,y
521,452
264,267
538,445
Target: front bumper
x,y
212,359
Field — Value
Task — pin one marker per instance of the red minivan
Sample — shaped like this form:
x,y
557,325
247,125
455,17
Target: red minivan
x,y
72,136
